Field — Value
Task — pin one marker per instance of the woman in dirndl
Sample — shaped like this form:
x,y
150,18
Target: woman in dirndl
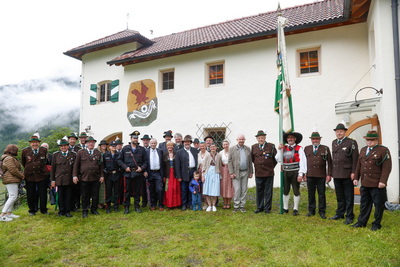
x,y
172,196
211,177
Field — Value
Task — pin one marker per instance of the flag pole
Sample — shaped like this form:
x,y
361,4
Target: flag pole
x,y
280,129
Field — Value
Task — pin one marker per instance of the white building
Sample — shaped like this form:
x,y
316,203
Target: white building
x,y
220,79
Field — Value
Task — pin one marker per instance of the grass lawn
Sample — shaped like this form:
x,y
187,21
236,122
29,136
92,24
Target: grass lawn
x,y
188,238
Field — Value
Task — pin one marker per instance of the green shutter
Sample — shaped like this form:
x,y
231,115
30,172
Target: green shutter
x,y
114,91
93,94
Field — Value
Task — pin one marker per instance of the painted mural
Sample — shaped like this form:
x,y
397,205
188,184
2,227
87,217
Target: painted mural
x,y
142,103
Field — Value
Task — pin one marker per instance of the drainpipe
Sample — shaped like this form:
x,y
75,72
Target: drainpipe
x,y
395,25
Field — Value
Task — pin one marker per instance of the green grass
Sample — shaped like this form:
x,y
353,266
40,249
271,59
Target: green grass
x,y
177,238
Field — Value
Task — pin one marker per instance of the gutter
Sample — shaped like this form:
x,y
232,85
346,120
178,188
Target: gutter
x,y
395,26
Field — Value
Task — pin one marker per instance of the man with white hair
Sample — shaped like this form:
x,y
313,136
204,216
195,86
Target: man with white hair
x,y
154,175
240,169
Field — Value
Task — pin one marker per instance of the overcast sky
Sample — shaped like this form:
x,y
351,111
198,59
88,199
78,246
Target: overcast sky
x,y
34,34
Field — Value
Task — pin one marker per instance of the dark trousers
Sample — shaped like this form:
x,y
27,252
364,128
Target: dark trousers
x,y
264,187
156,189
316,184
369,196
36,193
290,179
186,195
112,190
136,183
145,192
76,196
64,198
345,197
90,190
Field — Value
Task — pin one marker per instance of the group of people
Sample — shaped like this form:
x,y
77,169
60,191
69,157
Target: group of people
x,y
188,173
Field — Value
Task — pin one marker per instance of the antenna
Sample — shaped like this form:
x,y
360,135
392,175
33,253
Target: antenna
x,y
127,21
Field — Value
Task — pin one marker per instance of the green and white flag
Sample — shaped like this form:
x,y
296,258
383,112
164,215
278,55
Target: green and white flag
x,y
283,98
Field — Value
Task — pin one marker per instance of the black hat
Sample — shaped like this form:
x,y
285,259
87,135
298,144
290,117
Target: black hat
x,y
135,134
196,140
146,136
208,136
298,136
340,126
103,142
113,143
167,133
260,133
187,138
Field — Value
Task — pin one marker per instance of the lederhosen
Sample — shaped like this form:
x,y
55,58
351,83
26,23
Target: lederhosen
x,y
291,167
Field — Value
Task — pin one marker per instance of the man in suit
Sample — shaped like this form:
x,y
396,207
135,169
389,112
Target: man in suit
x,y
185,166
178,141
319,172
82,139
168,137
263,157
240,169
62,166
75,188
89,172
34,161
154,175
146,141
344,159
133,160
373,168
294,165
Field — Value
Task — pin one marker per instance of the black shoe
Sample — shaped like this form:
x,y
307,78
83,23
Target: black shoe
x,y
258,211
267,212
60,214
295,212
357,225
115,209
348,221
337,217
68,215
144,205
310,214
138,210
94,212
323,216
108,210
84,214
375,228
285,211
183,207
126,211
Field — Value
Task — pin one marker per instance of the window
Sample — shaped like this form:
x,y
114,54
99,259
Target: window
x,y
105,92
218,134
309,61
168,79
215,73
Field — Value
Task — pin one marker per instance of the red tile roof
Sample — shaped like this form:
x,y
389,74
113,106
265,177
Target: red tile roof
x,y
301,18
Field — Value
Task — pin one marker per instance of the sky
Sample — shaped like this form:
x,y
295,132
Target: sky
x,y
34,34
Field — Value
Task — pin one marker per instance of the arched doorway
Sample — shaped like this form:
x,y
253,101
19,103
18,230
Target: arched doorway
x,y
358,130
113,137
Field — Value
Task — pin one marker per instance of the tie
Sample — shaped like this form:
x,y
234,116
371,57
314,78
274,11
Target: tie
x,y
153,159
315,150
339,142
35,152
64,154
368,150
90,152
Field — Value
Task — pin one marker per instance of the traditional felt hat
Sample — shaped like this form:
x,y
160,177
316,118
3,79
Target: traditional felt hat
x,y
340,126
135,134
72,135
187,138
90,138
208,136
167,133
371,135
196,141
145,137
83,134
63,142
118,141
298,136
315,135
103,142
34,138
113,143
260,133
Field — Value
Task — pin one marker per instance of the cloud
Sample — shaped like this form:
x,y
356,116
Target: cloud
x,y
35,103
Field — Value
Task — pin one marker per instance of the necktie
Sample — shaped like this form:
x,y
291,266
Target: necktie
x,y
64,154
315,150
261,147
368,150
90,152
153,159
339,142
35,152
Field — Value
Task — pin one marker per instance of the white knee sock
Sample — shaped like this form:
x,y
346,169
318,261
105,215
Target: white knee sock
x,y
296,202
286,202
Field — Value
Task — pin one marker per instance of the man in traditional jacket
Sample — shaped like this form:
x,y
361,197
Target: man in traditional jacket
x,y
263,157
373,168
319,172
